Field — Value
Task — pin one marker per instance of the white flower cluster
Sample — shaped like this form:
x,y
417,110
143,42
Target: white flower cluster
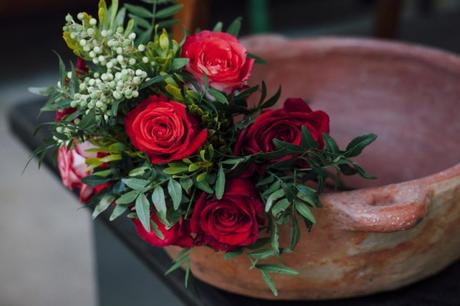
x,y
115,51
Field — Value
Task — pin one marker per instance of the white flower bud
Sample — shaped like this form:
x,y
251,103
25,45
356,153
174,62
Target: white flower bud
x,y
135,93
82,42
139,72
120,50
132,61
141,48
80,16
104,34
92,54
97,49
92,21
68,18
86,48
120,58
145,59
117,95
132,36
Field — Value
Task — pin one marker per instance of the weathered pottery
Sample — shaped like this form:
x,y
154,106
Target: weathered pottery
x,y
387,233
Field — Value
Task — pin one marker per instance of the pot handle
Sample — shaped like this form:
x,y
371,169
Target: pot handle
x,y
379,210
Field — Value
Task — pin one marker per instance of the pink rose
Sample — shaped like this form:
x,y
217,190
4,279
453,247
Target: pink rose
x,y
72,167
219,56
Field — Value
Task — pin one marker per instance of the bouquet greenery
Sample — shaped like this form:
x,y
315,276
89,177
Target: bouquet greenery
x,y
163,132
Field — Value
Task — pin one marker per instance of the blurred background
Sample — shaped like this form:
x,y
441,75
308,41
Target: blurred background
x,y
46,247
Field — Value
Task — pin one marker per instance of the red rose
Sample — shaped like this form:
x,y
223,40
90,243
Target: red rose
x,y
72,167
62,113
176,235
164,130
283,124
220,56
230,222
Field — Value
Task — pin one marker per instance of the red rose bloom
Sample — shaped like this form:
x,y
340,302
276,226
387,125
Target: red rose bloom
x,y
230,222
220,56
284,124
62,113
164,130
176,235
72,168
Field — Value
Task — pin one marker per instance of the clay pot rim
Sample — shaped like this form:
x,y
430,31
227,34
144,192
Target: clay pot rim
x,y
428,55
413,196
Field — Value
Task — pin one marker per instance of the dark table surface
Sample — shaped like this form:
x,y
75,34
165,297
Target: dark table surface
x,y
441,289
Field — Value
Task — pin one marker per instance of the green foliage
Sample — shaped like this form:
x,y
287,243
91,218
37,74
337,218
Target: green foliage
x,y
290,179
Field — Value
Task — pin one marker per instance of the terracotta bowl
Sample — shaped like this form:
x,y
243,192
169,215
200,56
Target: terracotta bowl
x,y
389,232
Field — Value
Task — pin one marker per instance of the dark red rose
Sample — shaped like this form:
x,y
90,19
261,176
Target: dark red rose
x,y
176,235
62,113
81,67
284,124
220,56
164,130
230,222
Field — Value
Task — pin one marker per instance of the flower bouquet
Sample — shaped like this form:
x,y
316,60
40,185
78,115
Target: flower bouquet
x,y
170,135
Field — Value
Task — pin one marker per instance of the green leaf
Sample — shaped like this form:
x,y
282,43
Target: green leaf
x,y
103,204
304,211
186,184
178,63
307,139
135,183
180,260
143,211
168,11
175,170
156,230
139,11
331,145
127,198
272,198
280,207
220,183
118,211
113,11
218,27
295,233
41,91
62,74
158,199
258,60
175,192
103,173
356,146
154,80
203,185
272,101
275,238
220,97
234,27
262,253
95,180
277,268
268,280
363,172
140,21
230,255
289,147
138,171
